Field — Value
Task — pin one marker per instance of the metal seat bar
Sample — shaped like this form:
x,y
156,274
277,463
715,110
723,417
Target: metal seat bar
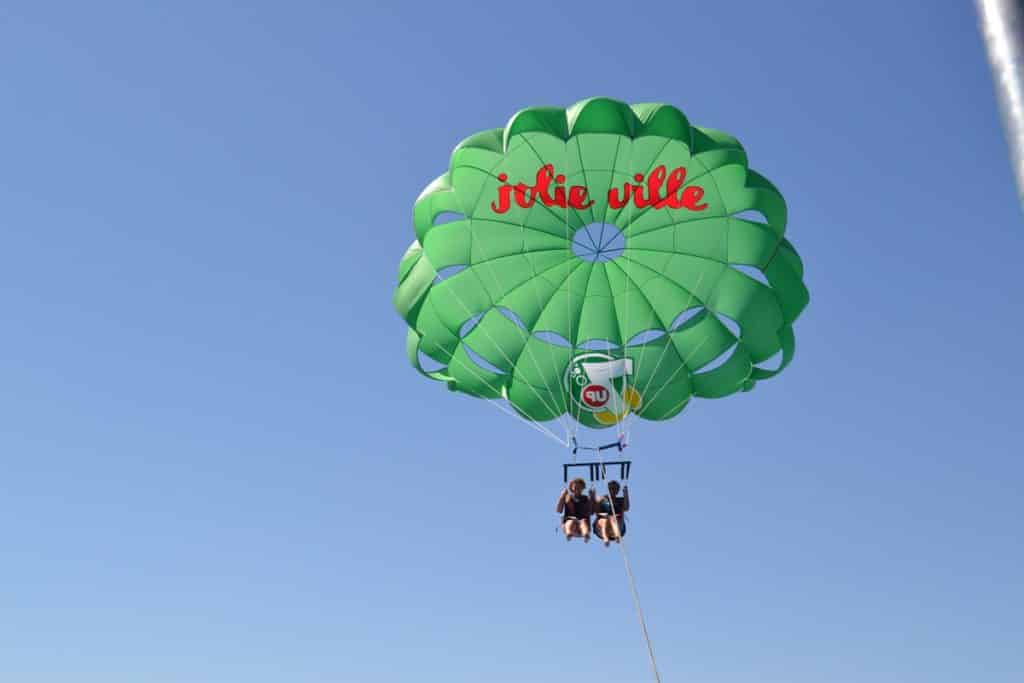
x,y
598,470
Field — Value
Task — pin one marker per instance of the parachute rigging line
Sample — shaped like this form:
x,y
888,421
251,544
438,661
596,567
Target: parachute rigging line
x,y
684,364
628,427
528,422
533,423
485,259
562,419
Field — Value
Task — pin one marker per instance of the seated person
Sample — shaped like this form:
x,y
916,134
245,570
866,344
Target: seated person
x,y
576,509
610,524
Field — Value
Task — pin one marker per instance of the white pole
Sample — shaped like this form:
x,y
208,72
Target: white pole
x,y
1002,27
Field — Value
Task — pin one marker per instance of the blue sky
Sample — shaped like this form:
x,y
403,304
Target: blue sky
x,y
217,465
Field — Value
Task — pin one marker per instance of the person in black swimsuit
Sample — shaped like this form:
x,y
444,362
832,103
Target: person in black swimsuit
x,y
610,524
576,508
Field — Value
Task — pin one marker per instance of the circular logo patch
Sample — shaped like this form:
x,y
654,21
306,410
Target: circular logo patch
x,y
595,396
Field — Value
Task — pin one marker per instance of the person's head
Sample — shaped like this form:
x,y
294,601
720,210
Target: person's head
x,y
613,488
577,485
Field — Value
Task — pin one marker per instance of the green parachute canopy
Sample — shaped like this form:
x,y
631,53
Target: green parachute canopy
x,y
597,261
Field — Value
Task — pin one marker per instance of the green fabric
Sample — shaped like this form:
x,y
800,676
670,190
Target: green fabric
x,y
505,306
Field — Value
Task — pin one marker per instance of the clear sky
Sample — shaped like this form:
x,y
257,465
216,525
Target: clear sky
x,y
216,465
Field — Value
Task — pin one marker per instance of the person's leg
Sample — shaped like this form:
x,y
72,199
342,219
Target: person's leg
x,y
585,530
567,526
605,530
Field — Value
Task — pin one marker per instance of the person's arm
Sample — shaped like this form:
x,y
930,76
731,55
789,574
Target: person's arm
x,y
625,498
561,501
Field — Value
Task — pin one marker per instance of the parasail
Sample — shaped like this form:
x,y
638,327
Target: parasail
x,y
600,262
